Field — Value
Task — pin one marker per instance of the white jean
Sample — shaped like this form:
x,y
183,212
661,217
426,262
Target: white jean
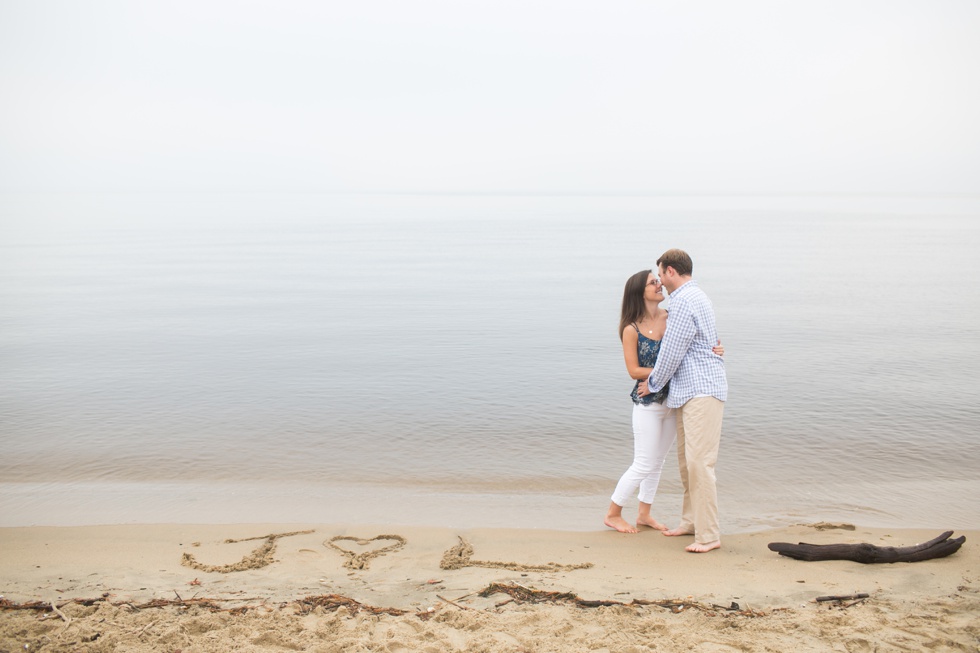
x,y
654,431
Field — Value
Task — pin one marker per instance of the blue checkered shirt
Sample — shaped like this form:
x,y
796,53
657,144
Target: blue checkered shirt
x,y
685,357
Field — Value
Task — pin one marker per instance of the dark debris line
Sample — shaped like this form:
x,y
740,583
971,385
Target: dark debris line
x,y
330,602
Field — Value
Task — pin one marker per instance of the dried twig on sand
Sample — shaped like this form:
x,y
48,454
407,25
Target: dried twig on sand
x,y
335,601
526,595
843,597
61,614
461,607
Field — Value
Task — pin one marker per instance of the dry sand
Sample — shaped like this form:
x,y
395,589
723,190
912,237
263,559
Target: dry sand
x,y
186,588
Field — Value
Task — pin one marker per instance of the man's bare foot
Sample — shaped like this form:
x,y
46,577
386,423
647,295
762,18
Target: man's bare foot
x,y
703,548
674,532
647,520
619,524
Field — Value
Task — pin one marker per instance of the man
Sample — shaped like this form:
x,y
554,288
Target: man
x,y
698,391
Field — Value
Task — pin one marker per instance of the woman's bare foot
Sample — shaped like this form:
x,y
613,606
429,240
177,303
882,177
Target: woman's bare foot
x,y
674,532
703,548
647,520
620,524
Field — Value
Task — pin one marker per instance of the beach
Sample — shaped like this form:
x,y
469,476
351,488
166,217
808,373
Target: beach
x,y
312,318
274,587
179,371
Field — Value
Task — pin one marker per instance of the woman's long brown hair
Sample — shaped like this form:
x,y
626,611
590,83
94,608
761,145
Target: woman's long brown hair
x,y
634,308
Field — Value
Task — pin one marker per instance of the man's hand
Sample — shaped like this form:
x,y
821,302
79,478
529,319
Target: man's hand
x,y
644,388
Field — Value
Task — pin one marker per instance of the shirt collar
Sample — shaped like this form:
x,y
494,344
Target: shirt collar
x,y
689,284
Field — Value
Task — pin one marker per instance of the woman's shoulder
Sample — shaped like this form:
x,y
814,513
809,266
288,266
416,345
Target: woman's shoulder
x,y
630,331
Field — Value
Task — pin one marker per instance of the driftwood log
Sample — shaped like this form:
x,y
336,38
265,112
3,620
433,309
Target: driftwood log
x,y
939,547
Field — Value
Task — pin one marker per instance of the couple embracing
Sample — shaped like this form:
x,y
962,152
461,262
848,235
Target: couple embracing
x,y
680,392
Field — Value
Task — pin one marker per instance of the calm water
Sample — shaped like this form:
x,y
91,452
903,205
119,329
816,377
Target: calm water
x,y
453,360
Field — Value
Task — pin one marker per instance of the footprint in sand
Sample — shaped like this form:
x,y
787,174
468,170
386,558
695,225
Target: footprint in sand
x,y
361,559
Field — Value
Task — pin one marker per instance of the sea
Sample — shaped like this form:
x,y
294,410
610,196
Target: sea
x,y
453,360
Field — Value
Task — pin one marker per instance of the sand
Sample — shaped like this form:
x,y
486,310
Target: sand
x,y
327,588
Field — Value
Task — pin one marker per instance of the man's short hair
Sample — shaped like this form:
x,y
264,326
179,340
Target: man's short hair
x,y
677,259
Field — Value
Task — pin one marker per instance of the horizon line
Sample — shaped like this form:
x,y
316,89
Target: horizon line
x,y
525,193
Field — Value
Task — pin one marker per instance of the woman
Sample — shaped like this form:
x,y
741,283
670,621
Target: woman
x,y
641,327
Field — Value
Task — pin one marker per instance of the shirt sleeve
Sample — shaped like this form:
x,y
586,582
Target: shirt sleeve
x,y
680,333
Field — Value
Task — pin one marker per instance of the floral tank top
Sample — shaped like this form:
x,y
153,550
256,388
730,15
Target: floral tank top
x,y
647,350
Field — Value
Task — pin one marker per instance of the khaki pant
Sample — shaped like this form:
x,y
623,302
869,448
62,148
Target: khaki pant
x,y
698,437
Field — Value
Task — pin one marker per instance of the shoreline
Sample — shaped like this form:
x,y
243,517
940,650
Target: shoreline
x,y
741,510
269,567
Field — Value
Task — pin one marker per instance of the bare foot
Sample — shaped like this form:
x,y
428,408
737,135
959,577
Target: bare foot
x,y
619,524
647,520
703,548
677,531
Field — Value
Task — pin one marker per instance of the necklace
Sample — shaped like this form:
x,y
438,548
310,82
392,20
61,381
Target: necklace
x,y
650,331
653,322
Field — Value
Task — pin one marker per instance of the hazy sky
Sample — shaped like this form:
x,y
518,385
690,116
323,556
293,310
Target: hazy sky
x,y
650,96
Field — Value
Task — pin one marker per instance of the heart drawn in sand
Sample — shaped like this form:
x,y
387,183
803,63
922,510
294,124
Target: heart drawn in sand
x,y
359,559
